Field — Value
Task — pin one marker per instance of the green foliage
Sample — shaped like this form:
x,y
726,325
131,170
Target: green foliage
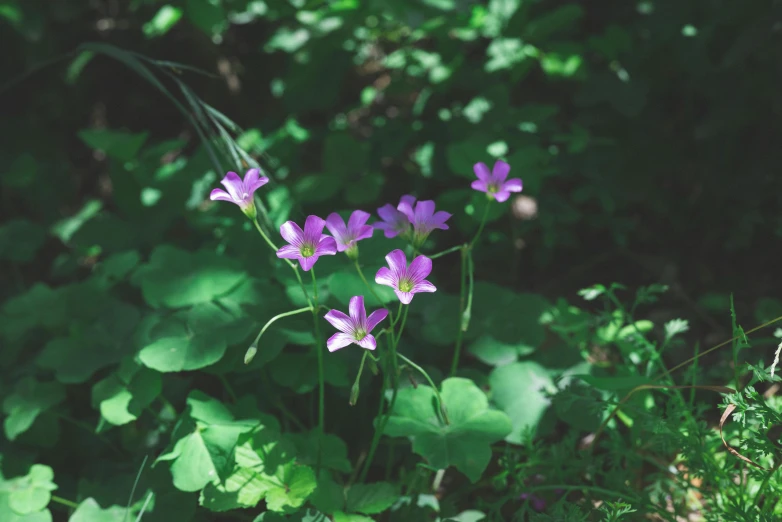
x,y
128,299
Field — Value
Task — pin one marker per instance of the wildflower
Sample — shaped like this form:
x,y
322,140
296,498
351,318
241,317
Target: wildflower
x,y
394,222
307,245
356,328
424,219
405,280
240,191
494,184
348,235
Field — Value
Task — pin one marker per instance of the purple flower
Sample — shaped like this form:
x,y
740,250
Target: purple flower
x,y
348,235
538,504
424,219
405,280
307,245
394,222
240,192
355,328
494,184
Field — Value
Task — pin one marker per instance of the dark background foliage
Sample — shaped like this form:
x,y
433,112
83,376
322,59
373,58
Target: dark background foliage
x,y
646,133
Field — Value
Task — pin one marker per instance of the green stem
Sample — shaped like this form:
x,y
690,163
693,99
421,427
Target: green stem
x,y
483,223
277,317
381,423
399,333
459,334
65,502
447,251
321,375
288,261
355,389
371,290
431,383
228,388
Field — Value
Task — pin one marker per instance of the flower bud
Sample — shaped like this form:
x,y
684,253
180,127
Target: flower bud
x,y
251,351
354,393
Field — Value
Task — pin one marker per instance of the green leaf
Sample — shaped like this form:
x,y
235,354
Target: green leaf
x,y
339,516
29,399
204,451
166,17
32,492
334,450
507,316
496,353
175,278
464,443
518,389
614,383
90,511
207,15
328,497
20,240
343,153
123,395
371,499
265,469
120,145
299,372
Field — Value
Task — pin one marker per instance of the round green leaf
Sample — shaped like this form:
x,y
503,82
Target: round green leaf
x,y
464,443
518,389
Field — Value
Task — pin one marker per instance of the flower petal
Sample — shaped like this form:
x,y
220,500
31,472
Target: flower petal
x,y
221,195
419,268
423,286
501,195
513,185
387,229
423,211
387,213
385,276
439,218
375,317
482,172
500,171
405,297
233,184
358,314
308,262
407,209
253,181
364,232
289,252
313,228
357,220
408,200
292,233
336,226
397,262
480,185
339,340
327,246
340,321
368,342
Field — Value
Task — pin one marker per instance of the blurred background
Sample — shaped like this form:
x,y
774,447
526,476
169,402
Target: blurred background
x,y
646,132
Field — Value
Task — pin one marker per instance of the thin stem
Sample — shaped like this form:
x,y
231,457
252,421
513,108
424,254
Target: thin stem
x,y
398,315
288,261
483,223
371,290
458,347
447,251
321,374
355,389
275,318
228,388
381,423
65,502
399,333
431,383
266,238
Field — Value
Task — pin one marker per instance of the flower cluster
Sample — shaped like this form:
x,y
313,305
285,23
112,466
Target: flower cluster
x,y
411,220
